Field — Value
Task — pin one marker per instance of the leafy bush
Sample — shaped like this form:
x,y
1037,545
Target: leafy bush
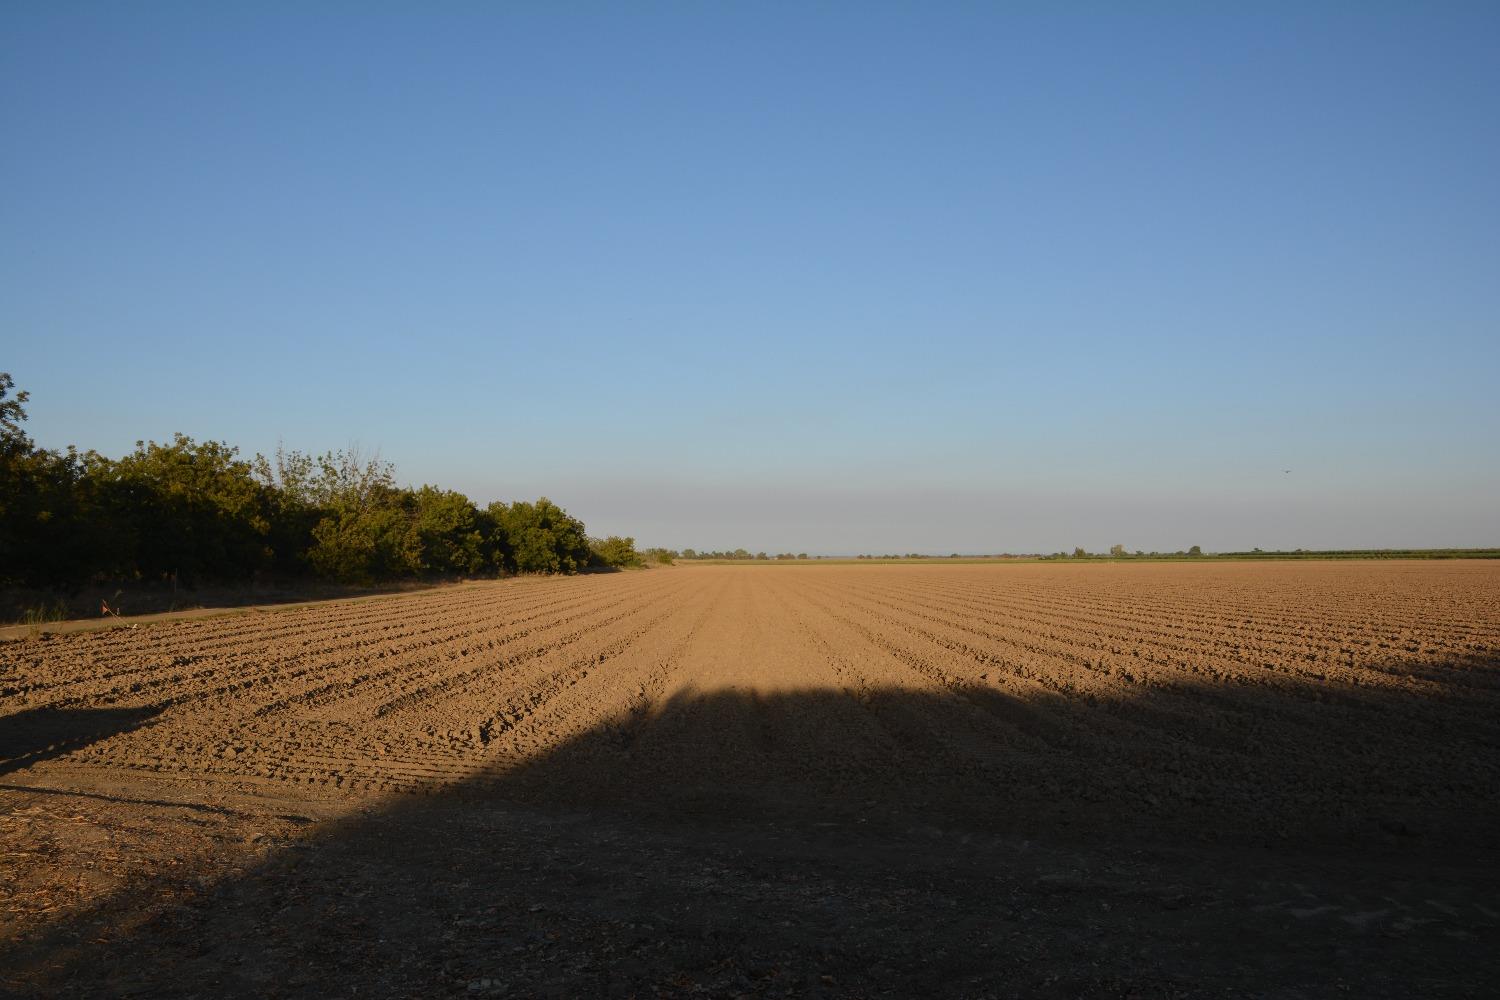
x,y
616,552
450,533
184,508
363,544
540,537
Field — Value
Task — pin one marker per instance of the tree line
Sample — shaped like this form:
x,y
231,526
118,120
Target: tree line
x,y
739,554
196,512
1120,552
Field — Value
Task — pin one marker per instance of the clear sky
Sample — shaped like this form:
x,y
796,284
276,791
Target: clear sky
x,y
824,277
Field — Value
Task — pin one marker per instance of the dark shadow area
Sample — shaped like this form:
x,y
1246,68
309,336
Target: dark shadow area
x,y
1293,840
38,734
48,607
1304,767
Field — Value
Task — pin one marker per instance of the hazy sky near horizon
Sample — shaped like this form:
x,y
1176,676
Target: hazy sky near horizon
x,y
831,277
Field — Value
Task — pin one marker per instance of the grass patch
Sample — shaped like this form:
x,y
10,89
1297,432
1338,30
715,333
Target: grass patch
x,y
44,613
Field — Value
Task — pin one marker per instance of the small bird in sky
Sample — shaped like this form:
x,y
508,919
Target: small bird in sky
x,y
1287,471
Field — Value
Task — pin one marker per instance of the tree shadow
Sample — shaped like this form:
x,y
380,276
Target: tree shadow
x,y
1293,840
34,735
1310,768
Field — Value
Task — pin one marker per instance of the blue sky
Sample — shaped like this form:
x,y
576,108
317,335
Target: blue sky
x,y
835,278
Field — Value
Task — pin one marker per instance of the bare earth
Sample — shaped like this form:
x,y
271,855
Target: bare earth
x,y
1270,779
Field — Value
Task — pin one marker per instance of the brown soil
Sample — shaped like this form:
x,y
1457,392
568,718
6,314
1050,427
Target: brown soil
x,y
1154,780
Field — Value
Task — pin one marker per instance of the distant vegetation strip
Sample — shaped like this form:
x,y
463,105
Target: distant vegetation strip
x,y
1079,555
1365,554
199,513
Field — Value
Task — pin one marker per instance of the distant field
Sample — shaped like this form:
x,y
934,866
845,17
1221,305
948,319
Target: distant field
x,y
914,778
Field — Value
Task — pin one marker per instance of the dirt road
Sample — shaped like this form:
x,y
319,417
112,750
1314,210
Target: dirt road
x,y
1151,780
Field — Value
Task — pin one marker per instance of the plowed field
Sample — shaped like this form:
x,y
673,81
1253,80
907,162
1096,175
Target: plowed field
x,y
1174,779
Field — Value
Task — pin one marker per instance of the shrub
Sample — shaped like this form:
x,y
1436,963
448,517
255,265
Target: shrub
x,y
540,538
187,509
615,552
449,533
359,545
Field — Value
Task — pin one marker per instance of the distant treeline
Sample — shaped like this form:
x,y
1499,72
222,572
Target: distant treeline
x,y
738,554
1364,554
1117,553
198,512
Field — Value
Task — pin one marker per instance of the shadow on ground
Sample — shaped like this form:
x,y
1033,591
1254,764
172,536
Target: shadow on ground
x,y
38,734
1288,841
66,610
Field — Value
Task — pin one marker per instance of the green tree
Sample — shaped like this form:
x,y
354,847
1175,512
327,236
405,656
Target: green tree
x,y
364,526
23,514
1195,551
372,542
450,536
187,508
1117,551
12,415
199,511
541,537
43,536
616,552
50,531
